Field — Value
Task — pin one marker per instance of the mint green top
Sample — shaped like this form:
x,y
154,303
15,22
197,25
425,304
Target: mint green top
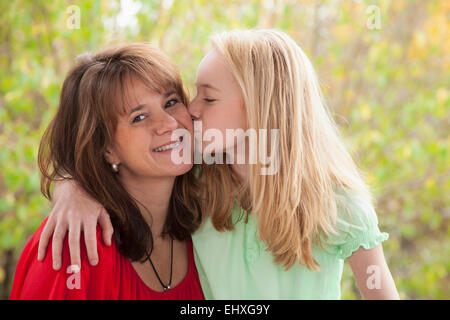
x,y
235,265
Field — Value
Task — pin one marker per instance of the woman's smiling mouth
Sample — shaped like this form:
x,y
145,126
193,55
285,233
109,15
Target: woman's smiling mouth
x,y
169,146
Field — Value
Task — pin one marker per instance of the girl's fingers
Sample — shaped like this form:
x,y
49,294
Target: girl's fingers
x,y
45,238
90,239
74,243
106,226
57,243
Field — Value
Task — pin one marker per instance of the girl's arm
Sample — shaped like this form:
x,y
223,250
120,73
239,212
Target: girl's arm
x,y
372,274
74,211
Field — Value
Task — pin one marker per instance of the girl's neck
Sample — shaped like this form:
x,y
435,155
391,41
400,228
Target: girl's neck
x,y
153,197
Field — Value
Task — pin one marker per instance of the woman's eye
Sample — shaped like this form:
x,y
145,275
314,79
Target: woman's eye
x,y
209,100
139,118
171,103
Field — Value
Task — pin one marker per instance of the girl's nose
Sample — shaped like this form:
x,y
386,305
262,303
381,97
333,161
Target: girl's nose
x,y
194,110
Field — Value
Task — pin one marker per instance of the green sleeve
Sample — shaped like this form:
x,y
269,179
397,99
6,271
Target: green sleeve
x,y
356,226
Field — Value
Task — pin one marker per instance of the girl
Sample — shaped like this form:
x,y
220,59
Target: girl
x,y
111,134
267,236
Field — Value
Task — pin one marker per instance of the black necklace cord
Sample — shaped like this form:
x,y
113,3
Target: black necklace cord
x,y
168,286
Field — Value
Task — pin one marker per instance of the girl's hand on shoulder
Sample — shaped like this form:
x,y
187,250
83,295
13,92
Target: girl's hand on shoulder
x,y
74,211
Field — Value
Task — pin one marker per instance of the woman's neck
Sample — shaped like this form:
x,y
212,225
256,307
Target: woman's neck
x,y
153,198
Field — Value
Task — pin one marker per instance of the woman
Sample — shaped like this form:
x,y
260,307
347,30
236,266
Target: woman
x,y
112,134
303,220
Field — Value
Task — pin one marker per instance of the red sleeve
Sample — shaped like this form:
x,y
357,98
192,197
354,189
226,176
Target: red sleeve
x,y
36,280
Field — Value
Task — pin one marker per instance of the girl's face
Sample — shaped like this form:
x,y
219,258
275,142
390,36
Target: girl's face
x,y
218,104
145,128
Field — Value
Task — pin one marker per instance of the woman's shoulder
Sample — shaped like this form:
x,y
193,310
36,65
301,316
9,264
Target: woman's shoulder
x,y
104,251
37,280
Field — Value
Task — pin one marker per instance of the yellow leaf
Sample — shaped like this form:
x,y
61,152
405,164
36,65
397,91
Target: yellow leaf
x,y
430,183
441,95
350,94
406,152
420,39
2,275
366,113
371,179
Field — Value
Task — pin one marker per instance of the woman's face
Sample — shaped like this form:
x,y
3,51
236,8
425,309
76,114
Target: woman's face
x,y
143,143
218,104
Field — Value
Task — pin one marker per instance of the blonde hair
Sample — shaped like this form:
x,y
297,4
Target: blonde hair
x,y
296,206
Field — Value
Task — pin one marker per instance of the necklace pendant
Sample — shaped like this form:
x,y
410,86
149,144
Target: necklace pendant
x,y
166,287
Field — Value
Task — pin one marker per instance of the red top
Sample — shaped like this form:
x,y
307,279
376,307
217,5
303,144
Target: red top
x,y
112,278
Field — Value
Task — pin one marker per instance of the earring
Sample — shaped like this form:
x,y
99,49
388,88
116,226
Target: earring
x,y
114,167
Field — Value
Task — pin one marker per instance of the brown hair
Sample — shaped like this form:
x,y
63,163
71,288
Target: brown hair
x,y
75,142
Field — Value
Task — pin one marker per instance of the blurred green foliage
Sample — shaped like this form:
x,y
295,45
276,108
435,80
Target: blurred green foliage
x,y
388,88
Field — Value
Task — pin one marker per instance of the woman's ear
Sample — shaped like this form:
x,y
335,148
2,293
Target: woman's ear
x,y
111,156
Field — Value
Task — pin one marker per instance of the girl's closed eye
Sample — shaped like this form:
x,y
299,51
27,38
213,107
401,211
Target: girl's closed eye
x,y
207,100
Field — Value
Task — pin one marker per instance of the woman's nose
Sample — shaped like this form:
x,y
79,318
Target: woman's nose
x,y
166,124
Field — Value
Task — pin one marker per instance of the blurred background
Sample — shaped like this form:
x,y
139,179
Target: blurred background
x,y
383,66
